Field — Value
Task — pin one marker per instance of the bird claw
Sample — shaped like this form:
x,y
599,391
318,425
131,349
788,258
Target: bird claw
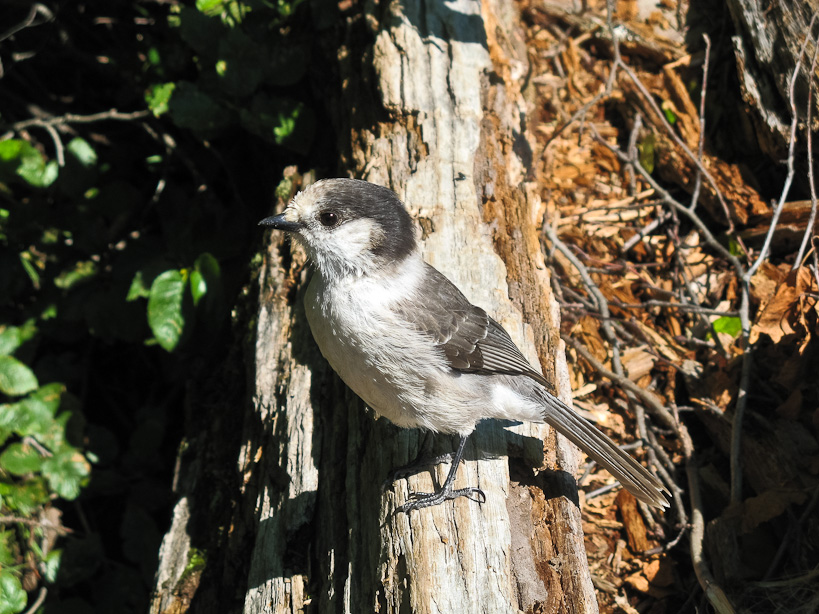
x,y
420,500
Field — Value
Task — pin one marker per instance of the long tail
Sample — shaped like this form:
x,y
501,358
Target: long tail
x,y
632,475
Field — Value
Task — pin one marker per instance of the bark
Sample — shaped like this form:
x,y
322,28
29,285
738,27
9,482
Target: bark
x,y
430,106
770,40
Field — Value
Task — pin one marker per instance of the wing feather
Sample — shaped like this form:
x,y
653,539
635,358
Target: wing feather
x,y
471,341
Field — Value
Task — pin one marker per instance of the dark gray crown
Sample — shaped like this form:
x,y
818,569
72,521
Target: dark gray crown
x,y
353,199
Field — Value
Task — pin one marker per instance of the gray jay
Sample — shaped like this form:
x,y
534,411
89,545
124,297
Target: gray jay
x,y
407,342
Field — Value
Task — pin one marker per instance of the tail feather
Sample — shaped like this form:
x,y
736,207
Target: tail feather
x,y
632,475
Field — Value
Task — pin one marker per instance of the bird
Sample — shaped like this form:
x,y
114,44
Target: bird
x,y
411,345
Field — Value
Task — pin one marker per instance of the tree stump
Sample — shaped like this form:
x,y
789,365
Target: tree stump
x,y
429,105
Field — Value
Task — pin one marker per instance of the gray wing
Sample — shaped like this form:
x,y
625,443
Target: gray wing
x,y
471,340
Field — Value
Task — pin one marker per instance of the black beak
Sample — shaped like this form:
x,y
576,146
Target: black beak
x,y
278,222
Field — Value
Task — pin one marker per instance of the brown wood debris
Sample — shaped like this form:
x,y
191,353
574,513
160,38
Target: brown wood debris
x,y
673,302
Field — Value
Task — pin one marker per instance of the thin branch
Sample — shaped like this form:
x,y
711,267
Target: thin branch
x,y
58,144
695,196
643,232
745,282
675,204
736,424
33,522
36,9
809,230
716,596
591,287
41,596
680,143
71,118
681,306
786,188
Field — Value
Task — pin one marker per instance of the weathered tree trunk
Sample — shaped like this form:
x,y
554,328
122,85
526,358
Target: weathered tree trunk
x,y
770,40
429,106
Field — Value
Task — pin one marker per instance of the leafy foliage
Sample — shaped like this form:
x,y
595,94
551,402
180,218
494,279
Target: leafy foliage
x,y
729,325
124,238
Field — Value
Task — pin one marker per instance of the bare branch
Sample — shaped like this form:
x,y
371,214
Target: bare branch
x,y
41,596
809,230
695,196
36,9
71,118
766,246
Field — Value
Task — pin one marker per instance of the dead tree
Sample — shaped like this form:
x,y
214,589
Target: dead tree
x,y
429,105
769,44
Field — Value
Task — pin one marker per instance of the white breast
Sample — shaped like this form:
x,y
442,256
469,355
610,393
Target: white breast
x,y
390,365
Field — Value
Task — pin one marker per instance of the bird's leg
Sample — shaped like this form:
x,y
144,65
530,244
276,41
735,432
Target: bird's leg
x,y
421,461
420,500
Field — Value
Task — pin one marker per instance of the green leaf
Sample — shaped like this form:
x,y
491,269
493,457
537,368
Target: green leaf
x,y
154,56
20,158
24,498
51,565
13,598
193,109
165,304
30,269
38,172
12,149
158,96
241,63
287,8
20,459
9,340
735,247
47,397
138,288
198,287
206,277
668,110
282,121
34,415
15,378
645,149
81,271
210,7
66,471
84,153
12,337
6,555
729,325
17,418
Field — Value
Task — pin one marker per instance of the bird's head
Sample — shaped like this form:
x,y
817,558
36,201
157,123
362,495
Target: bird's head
x,y
348,226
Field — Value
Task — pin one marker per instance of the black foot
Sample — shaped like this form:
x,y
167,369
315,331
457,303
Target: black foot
x,y
420,500
411,468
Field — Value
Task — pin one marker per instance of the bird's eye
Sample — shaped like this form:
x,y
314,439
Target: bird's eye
x,y
329,218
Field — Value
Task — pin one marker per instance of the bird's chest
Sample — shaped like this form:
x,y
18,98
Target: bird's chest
x,y
352,328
